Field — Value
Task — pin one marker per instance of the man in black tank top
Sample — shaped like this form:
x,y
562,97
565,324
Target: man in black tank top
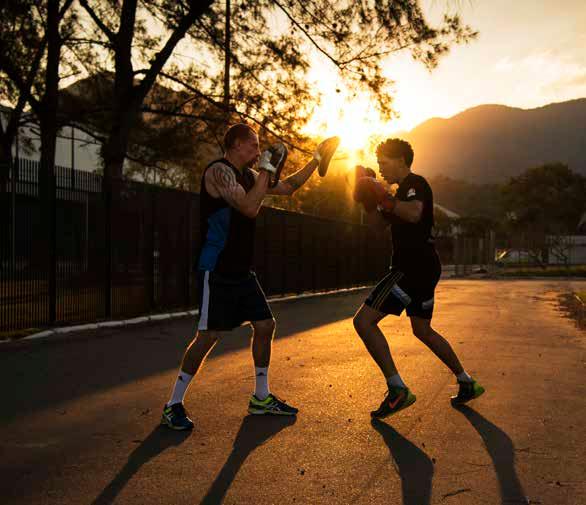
x,y
229,293
414,273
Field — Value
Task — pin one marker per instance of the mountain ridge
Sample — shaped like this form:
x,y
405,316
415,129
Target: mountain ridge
x,y
492,142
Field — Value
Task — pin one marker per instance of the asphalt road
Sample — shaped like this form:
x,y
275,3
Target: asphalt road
x,y
80,413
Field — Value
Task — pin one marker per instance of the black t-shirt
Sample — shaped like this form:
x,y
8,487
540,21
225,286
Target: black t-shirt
x,y
413,242
227,236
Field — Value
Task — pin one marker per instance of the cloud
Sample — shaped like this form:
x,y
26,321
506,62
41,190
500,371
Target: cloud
x,y
553,76
504,65
567,82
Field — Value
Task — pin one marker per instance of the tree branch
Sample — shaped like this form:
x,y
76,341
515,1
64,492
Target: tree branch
x,y
192,89
21,84
306,33
109,33
64,8
163,112
195,12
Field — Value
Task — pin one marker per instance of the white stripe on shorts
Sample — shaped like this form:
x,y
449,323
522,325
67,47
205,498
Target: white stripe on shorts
x,y
205,303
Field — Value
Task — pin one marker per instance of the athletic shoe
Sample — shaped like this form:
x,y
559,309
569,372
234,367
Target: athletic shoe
x,y
176,418
397,399
270,405
468,391
326,150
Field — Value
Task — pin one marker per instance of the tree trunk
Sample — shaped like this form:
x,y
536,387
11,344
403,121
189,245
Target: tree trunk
x,y
48,126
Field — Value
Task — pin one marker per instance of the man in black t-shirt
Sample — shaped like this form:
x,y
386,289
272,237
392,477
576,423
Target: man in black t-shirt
x,y
414,273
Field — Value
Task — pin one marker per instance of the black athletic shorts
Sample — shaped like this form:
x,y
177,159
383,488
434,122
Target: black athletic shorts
x,y
412,290
227,302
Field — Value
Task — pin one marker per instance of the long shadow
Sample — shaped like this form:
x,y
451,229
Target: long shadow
x,y
414,466
254,431
47,372
502,452
158,441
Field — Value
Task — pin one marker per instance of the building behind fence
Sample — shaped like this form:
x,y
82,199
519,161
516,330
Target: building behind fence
x,y
154,237
491,253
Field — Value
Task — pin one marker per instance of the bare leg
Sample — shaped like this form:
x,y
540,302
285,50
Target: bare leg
x,y
199,348
439,345
366,324
262,339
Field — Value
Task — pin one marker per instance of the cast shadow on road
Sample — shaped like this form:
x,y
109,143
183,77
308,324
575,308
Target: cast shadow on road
x,y
253,432
158,441
413,465
502,452
47,371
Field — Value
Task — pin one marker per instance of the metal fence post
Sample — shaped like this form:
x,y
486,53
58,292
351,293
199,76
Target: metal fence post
x,y
107,196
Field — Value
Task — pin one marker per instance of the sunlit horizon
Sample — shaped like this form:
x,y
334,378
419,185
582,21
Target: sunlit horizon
x,y
531,73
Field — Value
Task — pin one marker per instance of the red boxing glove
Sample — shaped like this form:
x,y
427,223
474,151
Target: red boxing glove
x,y
361,171
360,195
371,193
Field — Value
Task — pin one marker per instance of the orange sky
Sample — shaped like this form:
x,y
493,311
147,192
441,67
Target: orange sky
x,y
529,53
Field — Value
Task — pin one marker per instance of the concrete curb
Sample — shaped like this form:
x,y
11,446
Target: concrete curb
x,y
162,317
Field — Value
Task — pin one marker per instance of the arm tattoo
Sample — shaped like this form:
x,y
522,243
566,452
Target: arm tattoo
x,y
296,180
299,178
226,183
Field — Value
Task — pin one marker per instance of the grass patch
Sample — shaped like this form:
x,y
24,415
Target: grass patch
x,y
16,334
550,271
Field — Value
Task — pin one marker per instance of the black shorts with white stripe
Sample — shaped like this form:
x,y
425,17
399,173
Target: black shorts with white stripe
x,y
399,290
226,302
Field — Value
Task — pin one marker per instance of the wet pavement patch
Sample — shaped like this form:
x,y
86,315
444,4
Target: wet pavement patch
x,y
573,308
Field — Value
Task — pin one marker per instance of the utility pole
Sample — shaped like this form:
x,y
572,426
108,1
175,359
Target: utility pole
x,y
227,65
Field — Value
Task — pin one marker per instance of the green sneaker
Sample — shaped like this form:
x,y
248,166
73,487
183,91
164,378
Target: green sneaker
x,y
468,391
397,399
270,405
175,417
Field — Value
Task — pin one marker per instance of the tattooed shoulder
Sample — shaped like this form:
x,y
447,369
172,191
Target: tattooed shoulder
x,y
223,176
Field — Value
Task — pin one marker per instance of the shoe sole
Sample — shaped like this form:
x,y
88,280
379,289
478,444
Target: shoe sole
x,y
407,405
175,428
261,412
455,400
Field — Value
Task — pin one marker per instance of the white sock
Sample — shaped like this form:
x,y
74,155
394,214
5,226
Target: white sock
x,y
464,377
181,385
261,390
395,381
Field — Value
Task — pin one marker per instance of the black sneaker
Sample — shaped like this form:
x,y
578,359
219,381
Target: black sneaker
x,y
468,391
397,399
176,418
326,150
270,405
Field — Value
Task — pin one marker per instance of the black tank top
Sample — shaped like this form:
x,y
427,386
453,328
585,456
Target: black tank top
x,y
227,236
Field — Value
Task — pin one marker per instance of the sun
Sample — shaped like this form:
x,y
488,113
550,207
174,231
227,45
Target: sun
x,y
354,119
348,113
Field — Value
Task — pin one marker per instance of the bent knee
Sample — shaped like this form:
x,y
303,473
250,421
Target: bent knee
x,y
362,322
265,328
206,336
423,333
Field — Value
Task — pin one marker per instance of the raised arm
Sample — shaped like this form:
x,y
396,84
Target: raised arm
x,y
220,181
321,158
290,184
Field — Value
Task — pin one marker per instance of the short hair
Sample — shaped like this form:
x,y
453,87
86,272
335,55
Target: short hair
x,y
396,148
238,131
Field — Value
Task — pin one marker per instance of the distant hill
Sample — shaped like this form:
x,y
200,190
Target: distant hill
x,y
490,143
